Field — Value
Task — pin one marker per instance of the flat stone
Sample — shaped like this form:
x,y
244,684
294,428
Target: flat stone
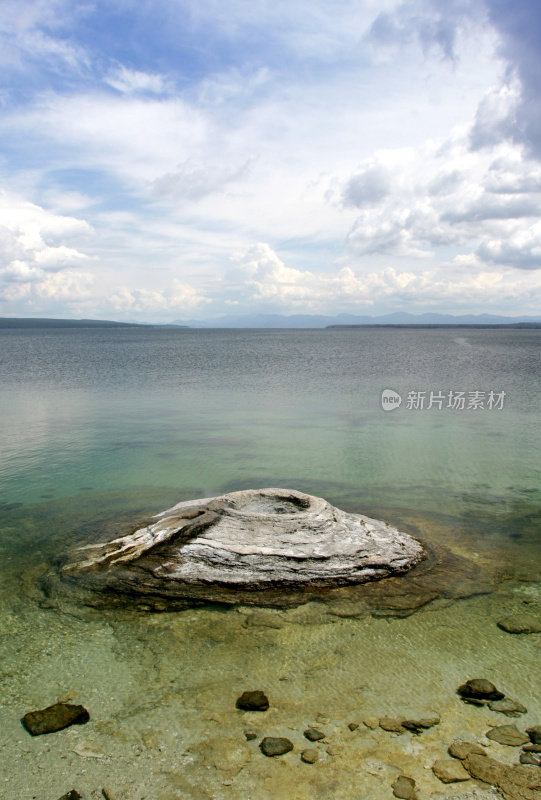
x,y
54,718
404,788
250,735
508,735
530,758
463,749
418,725
392,724
275,746
449,770
532,748
520,623
535,734
371,722
516,782
479,689
73,794
507,706
253,701
247,541
314,734
109,793
310,756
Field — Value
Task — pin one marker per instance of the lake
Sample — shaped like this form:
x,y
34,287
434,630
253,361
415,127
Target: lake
x,y
103,424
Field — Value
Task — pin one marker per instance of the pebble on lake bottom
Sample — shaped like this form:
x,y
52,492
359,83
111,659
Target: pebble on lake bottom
x,y
275,746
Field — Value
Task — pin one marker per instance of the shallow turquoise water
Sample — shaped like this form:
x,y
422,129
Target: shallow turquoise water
x,y
101,423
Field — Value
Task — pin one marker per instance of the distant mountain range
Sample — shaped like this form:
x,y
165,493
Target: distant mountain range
x,y
320,321
45,322
282,321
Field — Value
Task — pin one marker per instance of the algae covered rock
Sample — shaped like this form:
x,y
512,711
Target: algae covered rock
x,y
479,689
54,718
521,623
275,746
253,701
508,735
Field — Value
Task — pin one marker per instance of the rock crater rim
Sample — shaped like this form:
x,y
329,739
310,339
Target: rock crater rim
x,y
245,542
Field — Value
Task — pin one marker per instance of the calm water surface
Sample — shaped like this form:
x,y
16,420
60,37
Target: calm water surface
x,y
98,423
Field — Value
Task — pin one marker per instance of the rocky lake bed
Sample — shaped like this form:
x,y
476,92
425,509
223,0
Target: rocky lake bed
x,y
356,688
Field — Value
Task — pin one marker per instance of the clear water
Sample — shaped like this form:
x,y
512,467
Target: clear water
x,y
101,423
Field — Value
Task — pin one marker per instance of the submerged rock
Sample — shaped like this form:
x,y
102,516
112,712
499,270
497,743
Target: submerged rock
x,y
462,750
535,734
479,689
253,701
54,718
422,724
526,757
314,734
404,788
269,539
275,746
508,735
310,756
521,623
73,794
507,706
517,782
391,724
450,771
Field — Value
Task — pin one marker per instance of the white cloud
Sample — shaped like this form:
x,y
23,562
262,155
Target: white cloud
x,y
34,236
131,81
180,297
36,267
192,181
448,197
367,187
376,178
32,32
261,276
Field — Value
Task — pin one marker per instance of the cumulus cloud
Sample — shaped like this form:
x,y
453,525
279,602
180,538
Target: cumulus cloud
x,y
519,26
367,187
34,239
495,117
261,275
448,197
521,247
283,129
511,109
180,297
427,22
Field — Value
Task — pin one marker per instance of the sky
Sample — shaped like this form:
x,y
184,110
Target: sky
x,y
185,159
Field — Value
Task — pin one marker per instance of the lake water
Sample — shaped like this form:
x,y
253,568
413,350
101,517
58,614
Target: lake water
x,y
102,423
